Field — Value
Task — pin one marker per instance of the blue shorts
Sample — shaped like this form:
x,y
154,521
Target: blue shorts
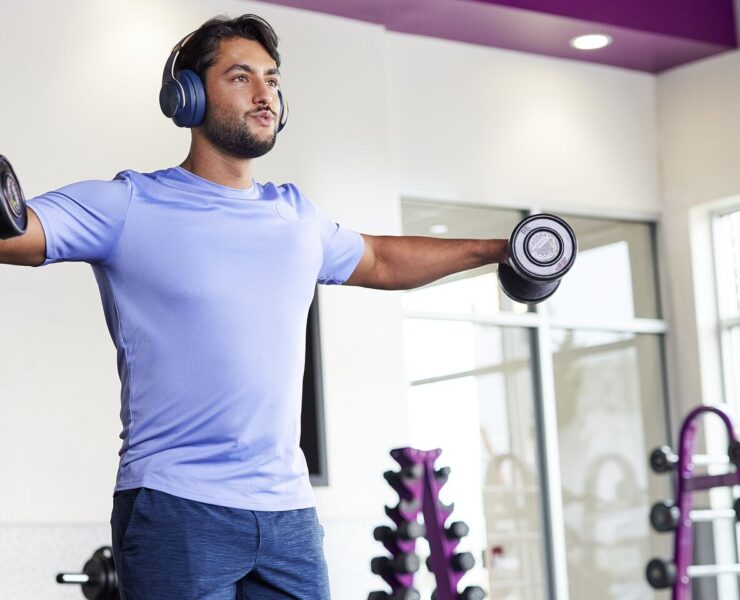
x,y
169,548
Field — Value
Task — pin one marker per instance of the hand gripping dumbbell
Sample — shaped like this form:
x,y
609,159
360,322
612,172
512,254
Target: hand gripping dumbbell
x,y
542,249
13,212
98,578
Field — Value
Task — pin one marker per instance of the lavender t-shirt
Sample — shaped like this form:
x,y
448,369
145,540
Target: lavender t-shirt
x,y
206,291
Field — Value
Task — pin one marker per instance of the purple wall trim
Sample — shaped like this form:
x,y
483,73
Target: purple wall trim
x,y
644,39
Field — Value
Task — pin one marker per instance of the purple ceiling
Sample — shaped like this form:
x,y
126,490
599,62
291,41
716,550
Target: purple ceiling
x,y
649,35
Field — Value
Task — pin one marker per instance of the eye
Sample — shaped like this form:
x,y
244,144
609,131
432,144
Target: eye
x,y
240,78
273,82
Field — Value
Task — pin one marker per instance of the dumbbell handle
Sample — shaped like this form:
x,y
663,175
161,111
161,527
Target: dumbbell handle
x,y
76,578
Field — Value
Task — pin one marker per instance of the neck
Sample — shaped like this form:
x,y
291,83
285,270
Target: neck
x,y
208,162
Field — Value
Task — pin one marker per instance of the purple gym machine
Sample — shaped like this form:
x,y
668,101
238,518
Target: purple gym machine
x,y
418,484
677,516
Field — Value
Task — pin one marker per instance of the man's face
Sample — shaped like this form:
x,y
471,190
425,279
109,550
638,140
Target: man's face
x,y
242,106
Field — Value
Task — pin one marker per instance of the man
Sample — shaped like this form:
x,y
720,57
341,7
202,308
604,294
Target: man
x,y
206,278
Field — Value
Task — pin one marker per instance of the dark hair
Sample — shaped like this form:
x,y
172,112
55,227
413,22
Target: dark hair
x,y
201,50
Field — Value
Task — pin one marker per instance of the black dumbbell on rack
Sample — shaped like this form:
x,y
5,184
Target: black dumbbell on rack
x,y
398,569
542,249
663,459
13,212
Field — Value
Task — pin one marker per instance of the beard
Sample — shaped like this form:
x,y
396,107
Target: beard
x,y
228,130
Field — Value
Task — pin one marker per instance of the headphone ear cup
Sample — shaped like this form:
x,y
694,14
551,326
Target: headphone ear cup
x,y
283,117
191,112
169,99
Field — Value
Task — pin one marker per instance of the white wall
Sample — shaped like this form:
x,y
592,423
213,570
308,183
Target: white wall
x,y
508,128
374,117
699,123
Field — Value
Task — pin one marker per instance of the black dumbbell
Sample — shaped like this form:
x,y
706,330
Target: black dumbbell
x,y
661,573
472,592
542,248
98,578
13,212
462,562
399,594
663,459
442,475
664,516
734,452
407,530
406,562
457,530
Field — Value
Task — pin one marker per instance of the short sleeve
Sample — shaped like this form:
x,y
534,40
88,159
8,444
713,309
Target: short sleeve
x,y
83,221
343,249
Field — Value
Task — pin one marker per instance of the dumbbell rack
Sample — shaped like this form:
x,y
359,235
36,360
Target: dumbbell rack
x,y
669,516
418,484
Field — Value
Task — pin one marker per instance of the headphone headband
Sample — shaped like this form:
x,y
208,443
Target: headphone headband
x,y
168,75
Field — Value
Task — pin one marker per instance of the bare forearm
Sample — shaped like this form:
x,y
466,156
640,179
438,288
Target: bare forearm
x,y
406,262
28,249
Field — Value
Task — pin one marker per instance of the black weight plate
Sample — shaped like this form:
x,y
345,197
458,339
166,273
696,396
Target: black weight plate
x,y
521,290
542,248
13,213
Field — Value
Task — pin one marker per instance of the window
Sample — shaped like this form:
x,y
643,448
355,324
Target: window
x,y
545,414
727,261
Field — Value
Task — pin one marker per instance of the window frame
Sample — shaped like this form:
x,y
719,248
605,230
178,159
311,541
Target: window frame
x,y
540,325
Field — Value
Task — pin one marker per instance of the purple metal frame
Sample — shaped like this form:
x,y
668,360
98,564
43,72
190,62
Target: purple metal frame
x,y
441,547
687,483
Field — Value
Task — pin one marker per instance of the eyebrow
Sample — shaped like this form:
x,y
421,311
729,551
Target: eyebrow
x,y
248,69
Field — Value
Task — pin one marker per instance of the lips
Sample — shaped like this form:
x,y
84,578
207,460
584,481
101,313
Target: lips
x,y
264,117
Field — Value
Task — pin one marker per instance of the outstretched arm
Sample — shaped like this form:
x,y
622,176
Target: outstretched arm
x,y
405,262
28,249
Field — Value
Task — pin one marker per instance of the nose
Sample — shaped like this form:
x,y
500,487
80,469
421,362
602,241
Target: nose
x,y
264,94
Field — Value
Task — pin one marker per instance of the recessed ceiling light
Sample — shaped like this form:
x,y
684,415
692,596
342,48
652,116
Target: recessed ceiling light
x,y
593,41
439,229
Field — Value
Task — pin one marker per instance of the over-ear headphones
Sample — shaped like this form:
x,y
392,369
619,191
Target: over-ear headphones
x,y
182,96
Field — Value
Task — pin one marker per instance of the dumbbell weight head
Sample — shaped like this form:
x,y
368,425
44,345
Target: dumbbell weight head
x,y
733,452
660,573
664,516
462,562
13,212
406,594
542,248
98,578
457,530
663,460
472,593
521,290
404,563
399,594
